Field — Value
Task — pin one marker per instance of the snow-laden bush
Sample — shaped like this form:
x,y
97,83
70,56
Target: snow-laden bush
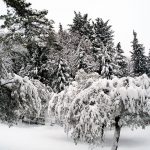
x,y
30,95
91,104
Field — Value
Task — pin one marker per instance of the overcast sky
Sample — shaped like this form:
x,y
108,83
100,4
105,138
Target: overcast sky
x,y
124,16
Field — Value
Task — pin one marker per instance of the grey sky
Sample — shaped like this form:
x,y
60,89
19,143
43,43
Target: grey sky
x,y
124,16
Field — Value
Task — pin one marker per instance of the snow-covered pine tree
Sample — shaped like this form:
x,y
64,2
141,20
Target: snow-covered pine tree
x,y
61,34
102,40
137,56
81,25
62,76
120,60
103,31
106,63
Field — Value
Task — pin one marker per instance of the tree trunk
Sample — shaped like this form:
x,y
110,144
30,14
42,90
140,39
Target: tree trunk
x,y
102,132
116,134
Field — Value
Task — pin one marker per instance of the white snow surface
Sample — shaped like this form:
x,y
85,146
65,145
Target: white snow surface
x,y
30,137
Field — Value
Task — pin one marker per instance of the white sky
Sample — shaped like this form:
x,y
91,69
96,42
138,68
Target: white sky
x,y
124,16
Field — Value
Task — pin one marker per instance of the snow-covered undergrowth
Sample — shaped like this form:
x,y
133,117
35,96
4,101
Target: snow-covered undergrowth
x,y
24,137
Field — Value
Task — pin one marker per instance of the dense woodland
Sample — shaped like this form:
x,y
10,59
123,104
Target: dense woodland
x,y
76,77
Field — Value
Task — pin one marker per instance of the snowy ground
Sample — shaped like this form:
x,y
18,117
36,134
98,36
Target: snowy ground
x,y
25,137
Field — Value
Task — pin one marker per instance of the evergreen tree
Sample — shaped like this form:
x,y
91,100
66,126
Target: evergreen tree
x,y
61,76
103,47
120,60
138,57
102,31
107,65
63,36
102,36
81,25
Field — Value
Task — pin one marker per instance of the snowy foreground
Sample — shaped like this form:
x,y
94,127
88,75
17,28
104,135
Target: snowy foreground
x,y
25,137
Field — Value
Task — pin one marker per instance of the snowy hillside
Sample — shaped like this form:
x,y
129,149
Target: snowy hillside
x,y
25,137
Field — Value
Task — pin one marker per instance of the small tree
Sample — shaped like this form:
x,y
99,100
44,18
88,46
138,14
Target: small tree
x,y
138,57
61,76
120,61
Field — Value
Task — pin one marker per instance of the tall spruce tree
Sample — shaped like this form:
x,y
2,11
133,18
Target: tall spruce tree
x,y
120,60
138,58
102,44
